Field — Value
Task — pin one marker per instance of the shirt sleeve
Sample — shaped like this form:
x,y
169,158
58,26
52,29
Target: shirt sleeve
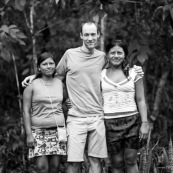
x,y
103,73
61,68
134,75
106,64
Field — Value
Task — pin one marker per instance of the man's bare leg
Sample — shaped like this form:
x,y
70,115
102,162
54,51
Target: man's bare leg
x,y
95,165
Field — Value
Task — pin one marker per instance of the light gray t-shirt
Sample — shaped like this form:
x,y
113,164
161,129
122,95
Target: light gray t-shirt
x,y
83,76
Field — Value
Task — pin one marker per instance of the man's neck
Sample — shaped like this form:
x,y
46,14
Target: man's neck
x,y
86,50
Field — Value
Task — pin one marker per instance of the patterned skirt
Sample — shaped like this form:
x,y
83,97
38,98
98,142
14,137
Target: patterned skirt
x,y
47,143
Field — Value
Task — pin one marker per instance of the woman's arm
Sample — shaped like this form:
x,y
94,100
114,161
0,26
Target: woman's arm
x,y
140,99
27,100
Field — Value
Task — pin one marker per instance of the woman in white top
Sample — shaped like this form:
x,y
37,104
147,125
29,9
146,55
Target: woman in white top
x,y
124,108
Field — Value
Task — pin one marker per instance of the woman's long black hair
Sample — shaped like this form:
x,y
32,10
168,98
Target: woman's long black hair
x,y
123,45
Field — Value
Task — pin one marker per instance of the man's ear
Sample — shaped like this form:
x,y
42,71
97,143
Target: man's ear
x,y
81,36
98,35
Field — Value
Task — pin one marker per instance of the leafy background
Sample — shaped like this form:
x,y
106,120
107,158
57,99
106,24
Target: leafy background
x,y
30,27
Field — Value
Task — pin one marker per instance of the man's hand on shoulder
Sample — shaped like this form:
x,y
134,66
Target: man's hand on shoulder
x,y
138,70
28,80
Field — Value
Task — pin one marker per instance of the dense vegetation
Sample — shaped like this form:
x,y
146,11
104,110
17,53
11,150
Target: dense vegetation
x,y
28,28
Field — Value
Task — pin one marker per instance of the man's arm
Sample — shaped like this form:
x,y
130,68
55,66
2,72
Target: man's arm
x,y
28,80
138,70
61,69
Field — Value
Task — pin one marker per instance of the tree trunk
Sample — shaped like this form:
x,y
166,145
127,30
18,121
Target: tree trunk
x,y
20,103
158,97
102,40
33,39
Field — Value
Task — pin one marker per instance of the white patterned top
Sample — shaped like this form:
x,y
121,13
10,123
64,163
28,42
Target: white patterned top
x,y
119,98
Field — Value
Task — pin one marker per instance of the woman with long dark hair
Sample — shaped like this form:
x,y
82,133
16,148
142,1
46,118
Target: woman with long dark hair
x,y
124,109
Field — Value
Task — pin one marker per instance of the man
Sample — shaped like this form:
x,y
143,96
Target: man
x,y
82,68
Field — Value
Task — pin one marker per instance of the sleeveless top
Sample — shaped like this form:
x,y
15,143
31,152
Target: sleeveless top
x,y
42,114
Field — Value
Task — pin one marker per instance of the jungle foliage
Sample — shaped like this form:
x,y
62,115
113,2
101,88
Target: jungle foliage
x,y
30,27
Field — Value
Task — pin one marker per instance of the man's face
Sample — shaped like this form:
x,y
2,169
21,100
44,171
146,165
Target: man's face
x,y
89,35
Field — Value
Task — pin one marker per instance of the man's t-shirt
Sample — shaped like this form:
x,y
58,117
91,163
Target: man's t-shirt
x,y
83,76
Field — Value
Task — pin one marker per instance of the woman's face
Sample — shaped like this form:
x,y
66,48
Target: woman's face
x,y
47,67
116,55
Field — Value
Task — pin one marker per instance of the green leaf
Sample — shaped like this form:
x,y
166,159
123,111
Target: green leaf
x,y
148,1
13,34
115,8
56,1
4,28
2,13
142,57
21,42
22,2
15,146
12,26
3,36
171,12
21,35
96,18
15,30
18,5
166,12
146,49
6,1
26,71
5,54
158,11
133,45
63,4
101,13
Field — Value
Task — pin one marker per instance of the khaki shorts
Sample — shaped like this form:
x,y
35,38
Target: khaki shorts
x,y
80,130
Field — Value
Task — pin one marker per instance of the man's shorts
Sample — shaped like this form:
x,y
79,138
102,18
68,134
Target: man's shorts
x,y
80,130
122,133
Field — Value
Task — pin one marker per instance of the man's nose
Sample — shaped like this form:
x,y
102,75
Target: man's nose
x,y
90,37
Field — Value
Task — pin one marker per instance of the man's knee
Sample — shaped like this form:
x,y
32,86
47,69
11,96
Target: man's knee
x,y
94,160
74,164
73,167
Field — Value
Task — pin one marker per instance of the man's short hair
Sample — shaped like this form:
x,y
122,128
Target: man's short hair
x,y
89,22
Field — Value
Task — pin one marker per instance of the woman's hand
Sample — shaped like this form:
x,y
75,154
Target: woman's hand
x,y
31,142
144,130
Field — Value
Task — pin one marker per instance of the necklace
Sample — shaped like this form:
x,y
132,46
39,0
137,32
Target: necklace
x,y
46,84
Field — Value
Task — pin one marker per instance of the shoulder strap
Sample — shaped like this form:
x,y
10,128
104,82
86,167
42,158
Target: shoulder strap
x,y
50,102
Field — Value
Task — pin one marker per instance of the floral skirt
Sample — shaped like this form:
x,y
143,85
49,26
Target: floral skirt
x,y
47,143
